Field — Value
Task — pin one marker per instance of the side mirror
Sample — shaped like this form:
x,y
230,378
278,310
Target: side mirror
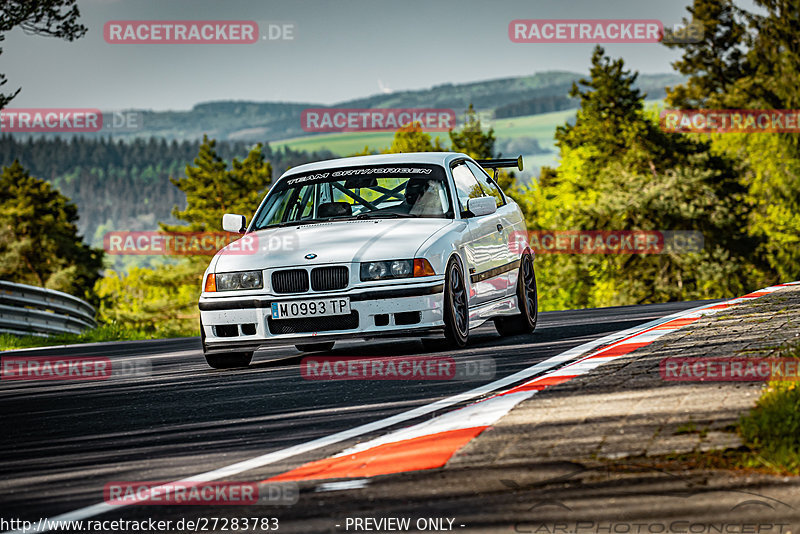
x,y
477,207
234,223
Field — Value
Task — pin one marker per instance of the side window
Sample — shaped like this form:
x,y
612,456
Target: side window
x,y
487,184
466,185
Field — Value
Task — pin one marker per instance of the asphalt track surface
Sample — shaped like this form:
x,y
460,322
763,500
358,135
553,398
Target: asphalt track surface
x,y
63,440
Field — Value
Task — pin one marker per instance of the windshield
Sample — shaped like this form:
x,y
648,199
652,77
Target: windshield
x,y
376,191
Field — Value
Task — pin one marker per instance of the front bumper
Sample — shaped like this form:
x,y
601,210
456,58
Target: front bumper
x,y
239,324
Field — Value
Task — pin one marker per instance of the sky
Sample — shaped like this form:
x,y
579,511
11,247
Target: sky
x,y
342,49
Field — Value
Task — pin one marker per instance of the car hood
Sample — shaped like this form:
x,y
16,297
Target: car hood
x,y
331,242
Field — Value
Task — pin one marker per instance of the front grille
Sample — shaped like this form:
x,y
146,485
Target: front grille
x,y
329,278
313,324
291,281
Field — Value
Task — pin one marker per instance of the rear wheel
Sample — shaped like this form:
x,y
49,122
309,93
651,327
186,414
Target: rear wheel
x,y
456,305
527,298
229,360
316,347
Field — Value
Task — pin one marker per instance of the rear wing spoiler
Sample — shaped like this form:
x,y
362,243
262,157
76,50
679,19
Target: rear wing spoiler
x,y
498,163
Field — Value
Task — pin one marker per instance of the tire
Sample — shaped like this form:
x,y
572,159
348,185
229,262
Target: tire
x,y
229,360
456,305
316,347
202,336
527,297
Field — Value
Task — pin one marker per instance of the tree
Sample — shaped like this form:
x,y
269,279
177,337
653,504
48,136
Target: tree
x,y
752,61
609,124
53,18
163,301
212,189
619,171
471,140
39,242
716,62
774,56
411,138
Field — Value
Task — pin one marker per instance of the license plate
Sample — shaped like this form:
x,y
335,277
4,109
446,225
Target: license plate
x,y
311,308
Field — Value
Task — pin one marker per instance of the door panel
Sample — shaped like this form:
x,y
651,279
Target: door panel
x,y
487,251
508,216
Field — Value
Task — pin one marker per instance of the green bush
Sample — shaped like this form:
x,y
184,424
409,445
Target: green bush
x,y
772,429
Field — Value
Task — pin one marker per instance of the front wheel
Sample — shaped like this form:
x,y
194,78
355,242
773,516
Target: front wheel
x,y
527,299
229,360
456,306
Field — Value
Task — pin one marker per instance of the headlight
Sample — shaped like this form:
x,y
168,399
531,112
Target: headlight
x,y
386,270
233,281
389,269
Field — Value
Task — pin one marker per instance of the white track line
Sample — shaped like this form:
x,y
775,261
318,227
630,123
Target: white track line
x,y
276,456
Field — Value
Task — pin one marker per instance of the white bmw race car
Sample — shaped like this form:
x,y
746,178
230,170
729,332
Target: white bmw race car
x,y
417,244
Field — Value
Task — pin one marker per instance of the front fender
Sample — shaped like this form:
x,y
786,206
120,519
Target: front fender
x,y
442,244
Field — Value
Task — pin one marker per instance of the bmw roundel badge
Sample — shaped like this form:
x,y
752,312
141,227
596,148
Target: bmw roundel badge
x,y
310,256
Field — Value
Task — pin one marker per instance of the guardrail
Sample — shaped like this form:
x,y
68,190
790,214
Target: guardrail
x,y
31,310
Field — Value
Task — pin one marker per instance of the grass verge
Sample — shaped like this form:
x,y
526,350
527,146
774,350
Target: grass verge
x,y
108,332
771,431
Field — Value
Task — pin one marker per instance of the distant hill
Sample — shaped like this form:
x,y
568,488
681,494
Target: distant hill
x,y
272,121
122,183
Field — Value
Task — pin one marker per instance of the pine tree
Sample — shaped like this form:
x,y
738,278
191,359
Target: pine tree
x,y
715,63
471,140
609,124
212,189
